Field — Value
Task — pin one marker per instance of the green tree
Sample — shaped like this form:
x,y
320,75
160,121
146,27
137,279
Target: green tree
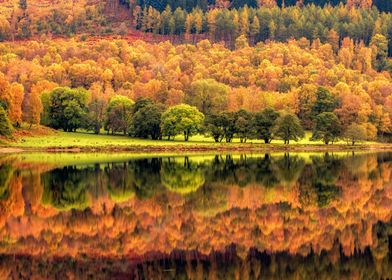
x,y
379,44
243,125
208,95
66,189
264,123
119,114
182,178
67,108
6,172
229,124
146,122
5,124
96,116
215,126
327,128
355,133
288,127
141,103
182,118
325,102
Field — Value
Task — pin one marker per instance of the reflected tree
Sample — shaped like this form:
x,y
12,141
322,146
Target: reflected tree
x,y
66,188
288,168
6,172
183,177
120,182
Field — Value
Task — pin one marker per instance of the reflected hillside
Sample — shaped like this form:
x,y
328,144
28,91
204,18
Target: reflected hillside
x,y
269,216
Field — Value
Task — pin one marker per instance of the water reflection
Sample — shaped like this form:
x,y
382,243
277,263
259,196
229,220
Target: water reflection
x,y
199,217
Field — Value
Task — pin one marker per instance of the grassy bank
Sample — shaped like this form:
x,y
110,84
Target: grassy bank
x,y
90,142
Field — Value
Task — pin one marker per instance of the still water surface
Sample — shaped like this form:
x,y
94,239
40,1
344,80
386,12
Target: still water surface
x,y
269,216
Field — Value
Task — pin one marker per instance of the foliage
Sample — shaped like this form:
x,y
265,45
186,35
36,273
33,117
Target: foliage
x,y
327,128
65,189
119,113
288,127
244,125
264,123
182,178
208,96
215,126
325,23
146,122
5,125
355,133
182,118
67,108
303,78
325,102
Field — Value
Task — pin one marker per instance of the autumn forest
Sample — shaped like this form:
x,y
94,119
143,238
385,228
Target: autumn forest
x,y
195,139
245,72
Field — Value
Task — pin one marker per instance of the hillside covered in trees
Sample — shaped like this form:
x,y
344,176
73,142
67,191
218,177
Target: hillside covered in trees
x,y
243,72
107,77
382,5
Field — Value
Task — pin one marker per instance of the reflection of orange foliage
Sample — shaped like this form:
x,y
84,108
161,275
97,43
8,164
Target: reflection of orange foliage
x,y
13,206
271,219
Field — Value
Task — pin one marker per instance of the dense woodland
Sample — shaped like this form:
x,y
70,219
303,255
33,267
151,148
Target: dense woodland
x,y
70,84
382,5
274,73
328,24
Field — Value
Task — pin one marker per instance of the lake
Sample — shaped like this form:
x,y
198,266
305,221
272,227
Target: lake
x,y
201,216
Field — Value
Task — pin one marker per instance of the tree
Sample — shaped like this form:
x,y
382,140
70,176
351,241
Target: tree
x,y
146,122
214,126
243,125
140,104
325,102
33,109
379,44
229,124
67,108
208,95
182,118
288,127
119,113
5,125
264,123
97,112
23,5
5,28
182,178
15,109
327,128
23,21
355,133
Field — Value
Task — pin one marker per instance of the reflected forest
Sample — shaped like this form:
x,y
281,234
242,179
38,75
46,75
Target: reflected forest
x,y
269,216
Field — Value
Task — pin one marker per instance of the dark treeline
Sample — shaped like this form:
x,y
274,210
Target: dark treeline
x,y
382,5
226,264
327,24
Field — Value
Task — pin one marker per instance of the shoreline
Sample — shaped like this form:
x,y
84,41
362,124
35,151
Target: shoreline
x,y
199,148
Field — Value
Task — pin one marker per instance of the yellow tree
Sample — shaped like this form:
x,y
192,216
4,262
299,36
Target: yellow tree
x,y
33,108
15,110
5,28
